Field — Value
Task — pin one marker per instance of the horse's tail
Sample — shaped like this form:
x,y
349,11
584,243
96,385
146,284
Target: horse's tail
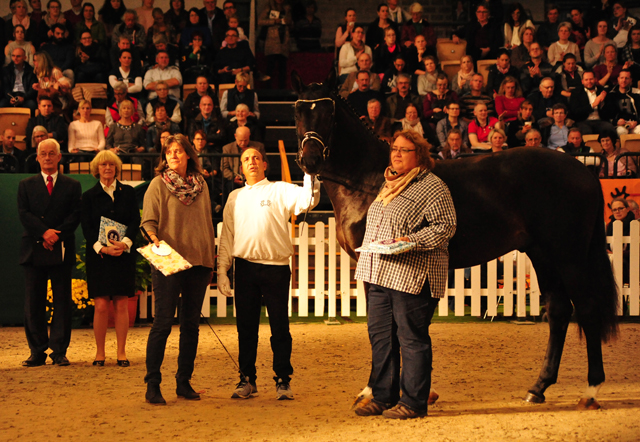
x,y
602,285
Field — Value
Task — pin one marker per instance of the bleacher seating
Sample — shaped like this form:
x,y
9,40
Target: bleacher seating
x,y
592,142
450,68
15,118
447,50
631,142
483,68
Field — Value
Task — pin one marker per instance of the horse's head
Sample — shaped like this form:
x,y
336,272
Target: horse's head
x,y
315,116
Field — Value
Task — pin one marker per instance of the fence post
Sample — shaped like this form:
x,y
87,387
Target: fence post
x,y
345,284
618,263
303,269
507,291
318,291
492,288
476,286
534,291
634,270
332,271
521,282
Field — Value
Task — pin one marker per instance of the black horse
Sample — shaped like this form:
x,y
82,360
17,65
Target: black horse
x,y
537,201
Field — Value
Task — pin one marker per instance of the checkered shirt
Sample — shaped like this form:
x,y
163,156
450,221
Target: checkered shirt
x,y
424,213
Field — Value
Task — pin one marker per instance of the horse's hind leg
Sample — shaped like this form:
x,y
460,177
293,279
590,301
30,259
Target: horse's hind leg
x,y
596,376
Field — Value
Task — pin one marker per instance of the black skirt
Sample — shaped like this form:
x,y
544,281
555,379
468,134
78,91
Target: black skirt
x,y
111,275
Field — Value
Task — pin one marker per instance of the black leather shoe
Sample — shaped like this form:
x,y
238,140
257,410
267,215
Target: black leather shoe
x,y
60,360
184,390
154,396
35,360
123,362
99,363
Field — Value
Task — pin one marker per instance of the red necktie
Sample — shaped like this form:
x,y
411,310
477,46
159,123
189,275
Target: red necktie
x,y
49,184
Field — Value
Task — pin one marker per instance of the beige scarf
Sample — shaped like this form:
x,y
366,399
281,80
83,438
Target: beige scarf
x,y
395,184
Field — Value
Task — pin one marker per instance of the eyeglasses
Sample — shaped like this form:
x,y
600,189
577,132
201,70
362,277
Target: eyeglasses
x,y
619,209
231,35
402,151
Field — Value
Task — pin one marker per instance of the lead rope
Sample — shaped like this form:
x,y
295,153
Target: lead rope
x,y
225,348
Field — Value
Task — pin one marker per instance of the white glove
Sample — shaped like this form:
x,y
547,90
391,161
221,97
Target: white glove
x,y
224,285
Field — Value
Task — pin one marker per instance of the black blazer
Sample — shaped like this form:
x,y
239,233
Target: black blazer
x,y
579,106
40,212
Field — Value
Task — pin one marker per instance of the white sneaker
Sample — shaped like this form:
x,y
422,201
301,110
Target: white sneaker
x,y
283,391
244,390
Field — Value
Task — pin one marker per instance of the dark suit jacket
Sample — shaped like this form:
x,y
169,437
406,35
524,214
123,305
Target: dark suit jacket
x,y
28,79
54,124
579,106
40,212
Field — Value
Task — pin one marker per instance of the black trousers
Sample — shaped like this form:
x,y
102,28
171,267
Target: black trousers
x,y
192,284
35,317
253,283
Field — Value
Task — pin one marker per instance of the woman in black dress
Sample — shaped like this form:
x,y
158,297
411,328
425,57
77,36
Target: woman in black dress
x,y
110,267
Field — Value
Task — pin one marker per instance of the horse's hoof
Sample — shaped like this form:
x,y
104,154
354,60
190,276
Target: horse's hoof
x,y
433,397
588,404
533,398
359,402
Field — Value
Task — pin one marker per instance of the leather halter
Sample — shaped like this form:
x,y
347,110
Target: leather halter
x,y
311,135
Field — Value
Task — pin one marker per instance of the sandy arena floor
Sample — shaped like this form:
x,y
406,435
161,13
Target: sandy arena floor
x,y
481,371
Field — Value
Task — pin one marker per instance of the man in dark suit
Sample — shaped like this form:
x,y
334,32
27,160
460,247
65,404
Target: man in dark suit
x,y
215,20
49,210
20,94
55,124
361,96
231,168
587,103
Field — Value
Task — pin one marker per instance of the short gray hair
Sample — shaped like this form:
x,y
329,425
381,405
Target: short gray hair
x,y
49,141
120,86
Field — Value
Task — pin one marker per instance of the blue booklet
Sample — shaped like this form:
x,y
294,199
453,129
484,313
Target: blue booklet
x,y
110,229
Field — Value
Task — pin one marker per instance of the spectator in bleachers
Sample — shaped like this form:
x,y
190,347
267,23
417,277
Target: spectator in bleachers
x,y
620,23
112,115
200,145
215,21
575,142
386,52
276,17
413,122
497,139
568,76
563,46
361,96
234,58
351,85
350,52
125,136
48,75
508,99
376,29
61,51
625,167
131,29
480,128
177,15
110,14
533,139
517,130
452,122
378,123
73,15
396,104
469,100
587,103
607,72
427,81
499,71
90,61
35,16
557,134
415,26
461,83
89,24
396,14
52,17
8,165
21,17
231,170
125,44
435,101
416,55
533,71
242,119
344,31
194,25
127,73
211,122
520,54
630,54
622,106
54,124
389,84
594,49
240,94
483,35
308,30
19,93
19,42
548,31
601,9
191,105
233,23
160,141
517,20
453,146
171,104
86,135
163,71
580,31
196,61
160,27
161,123
161,44
145,14
543,101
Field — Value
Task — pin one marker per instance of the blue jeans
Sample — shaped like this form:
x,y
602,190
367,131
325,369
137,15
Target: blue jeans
x,y
400,320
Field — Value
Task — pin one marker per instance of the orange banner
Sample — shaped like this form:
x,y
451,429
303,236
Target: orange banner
x,y
629,189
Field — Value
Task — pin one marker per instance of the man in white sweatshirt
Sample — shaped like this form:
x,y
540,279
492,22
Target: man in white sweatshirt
x,y
256,233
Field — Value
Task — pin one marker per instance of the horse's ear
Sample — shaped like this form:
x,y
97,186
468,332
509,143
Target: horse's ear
x,y
296,82
330,81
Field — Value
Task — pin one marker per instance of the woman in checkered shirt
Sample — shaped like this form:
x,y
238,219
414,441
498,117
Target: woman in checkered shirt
x,y
414,206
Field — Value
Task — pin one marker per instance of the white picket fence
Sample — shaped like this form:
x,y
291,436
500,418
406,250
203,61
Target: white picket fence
x,y
317,249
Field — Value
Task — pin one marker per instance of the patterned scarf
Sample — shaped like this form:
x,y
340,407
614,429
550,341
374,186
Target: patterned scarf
x,y
414,125
464,77
185,189
395,184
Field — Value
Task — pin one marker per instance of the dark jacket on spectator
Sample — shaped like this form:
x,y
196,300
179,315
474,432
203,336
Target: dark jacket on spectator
x,y
579,105
63,55
234,58
541,105
393,111
9,165
621,106
28,79
477,35
383,58
191,105
409,32
234,99
55,124
529,84
216,132
496,77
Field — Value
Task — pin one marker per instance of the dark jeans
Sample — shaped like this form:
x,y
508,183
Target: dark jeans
x,y
35,316
589,127
399,320
31,104
192,283
253,283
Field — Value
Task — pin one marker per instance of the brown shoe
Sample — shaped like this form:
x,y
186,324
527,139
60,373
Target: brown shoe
x,y
372,408
402,412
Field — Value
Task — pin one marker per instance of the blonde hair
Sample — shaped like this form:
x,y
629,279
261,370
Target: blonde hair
x,y
82,103
101,157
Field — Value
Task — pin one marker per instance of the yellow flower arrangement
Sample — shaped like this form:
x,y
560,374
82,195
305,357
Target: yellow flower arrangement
x,y
79,294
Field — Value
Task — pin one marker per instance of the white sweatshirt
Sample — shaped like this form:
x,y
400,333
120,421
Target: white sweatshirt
x,y
256,221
